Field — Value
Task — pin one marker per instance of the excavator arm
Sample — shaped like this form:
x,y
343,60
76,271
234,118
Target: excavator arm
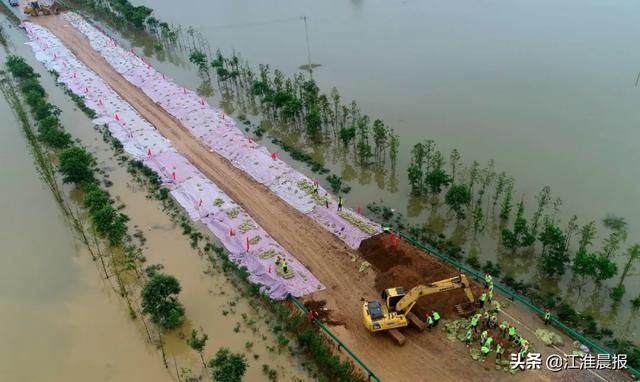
x,y
410,299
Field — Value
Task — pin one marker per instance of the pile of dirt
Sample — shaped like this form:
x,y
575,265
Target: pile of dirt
x,y
406,266
321,312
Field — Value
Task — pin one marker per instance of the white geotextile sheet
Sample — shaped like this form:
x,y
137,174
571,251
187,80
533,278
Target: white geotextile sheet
x,y
200,197
208,124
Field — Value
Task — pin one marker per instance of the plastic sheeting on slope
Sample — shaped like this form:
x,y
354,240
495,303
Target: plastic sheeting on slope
x,y
220,133
200,197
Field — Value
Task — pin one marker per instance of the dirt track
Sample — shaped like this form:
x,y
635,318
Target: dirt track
x,y
425,357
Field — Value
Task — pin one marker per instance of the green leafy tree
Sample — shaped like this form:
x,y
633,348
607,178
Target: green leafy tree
x,y
199,59
379,137
587,234
520,236
543,198
76,166
605,269
160,301
454,160
457,198
198,343
554,250
585,264
633,254
227,366
19,68
313,124
507,205
394,147
436,180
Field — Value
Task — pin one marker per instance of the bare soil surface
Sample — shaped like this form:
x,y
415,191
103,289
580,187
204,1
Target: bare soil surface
x,y
424,357
406,266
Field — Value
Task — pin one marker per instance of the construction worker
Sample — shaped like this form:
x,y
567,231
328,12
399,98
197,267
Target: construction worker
x,y
429,322
488,342
483,299
326,200
386,227
491,294
547,317
474,322
499,350
512,333
485,319
316,187
503,328
436,317
485,352
284,266
468,338
483,336
488,280
493,321
340,203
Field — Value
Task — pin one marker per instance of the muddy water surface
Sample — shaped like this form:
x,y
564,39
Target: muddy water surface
x,y
66,319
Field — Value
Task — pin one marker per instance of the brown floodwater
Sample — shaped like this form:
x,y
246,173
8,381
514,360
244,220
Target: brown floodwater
x,y
62,321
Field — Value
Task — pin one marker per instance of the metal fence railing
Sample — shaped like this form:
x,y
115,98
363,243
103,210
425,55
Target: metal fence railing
x,y
370,374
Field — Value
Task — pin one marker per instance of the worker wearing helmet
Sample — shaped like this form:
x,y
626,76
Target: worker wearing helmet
x,y
436,317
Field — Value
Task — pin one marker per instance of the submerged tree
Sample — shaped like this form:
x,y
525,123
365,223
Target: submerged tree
x,y
227,366
520,236
76,166
587,234
633,254
554,250
160,301
505,209
457,198
199,59
543,198
198,343
454,160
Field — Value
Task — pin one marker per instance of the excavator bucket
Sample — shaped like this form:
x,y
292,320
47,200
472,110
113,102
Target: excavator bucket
x,y
466,309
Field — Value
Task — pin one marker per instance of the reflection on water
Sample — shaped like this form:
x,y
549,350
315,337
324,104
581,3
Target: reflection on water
x,y
469,85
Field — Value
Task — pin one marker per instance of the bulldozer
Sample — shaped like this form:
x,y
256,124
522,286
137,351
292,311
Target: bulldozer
x,y
34,8
396,311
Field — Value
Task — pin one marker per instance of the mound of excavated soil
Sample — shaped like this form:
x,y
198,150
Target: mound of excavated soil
x,y
407,266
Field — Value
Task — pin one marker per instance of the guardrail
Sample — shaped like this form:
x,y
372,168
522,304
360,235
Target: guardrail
x,y
370,374
513,296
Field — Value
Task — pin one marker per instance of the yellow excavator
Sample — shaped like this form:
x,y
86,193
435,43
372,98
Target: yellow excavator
x,y
34,8
397,312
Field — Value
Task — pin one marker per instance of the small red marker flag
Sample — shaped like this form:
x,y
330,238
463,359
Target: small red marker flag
x,y
274,156
359,210
117,117
248,246
173,174
148,152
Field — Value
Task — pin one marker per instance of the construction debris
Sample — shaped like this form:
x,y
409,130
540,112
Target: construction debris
x,y
549,337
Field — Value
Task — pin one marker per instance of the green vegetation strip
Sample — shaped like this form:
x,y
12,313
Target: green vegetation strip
x,y
514,296
341,345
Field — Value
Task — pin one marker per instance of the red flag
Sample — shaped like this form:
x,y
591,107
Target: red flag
x,y
173,174
248,245
117,117
274,156
359,210
148,152
269,268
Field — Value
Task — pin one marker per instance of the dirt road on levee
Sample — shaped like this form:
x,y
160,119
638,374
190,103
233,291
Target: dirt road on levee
x,y
425,356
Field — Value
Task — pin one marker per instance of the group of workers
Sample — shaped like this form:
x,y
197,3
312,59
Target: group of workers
x,y
282,263
316,189
432,319
488,320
